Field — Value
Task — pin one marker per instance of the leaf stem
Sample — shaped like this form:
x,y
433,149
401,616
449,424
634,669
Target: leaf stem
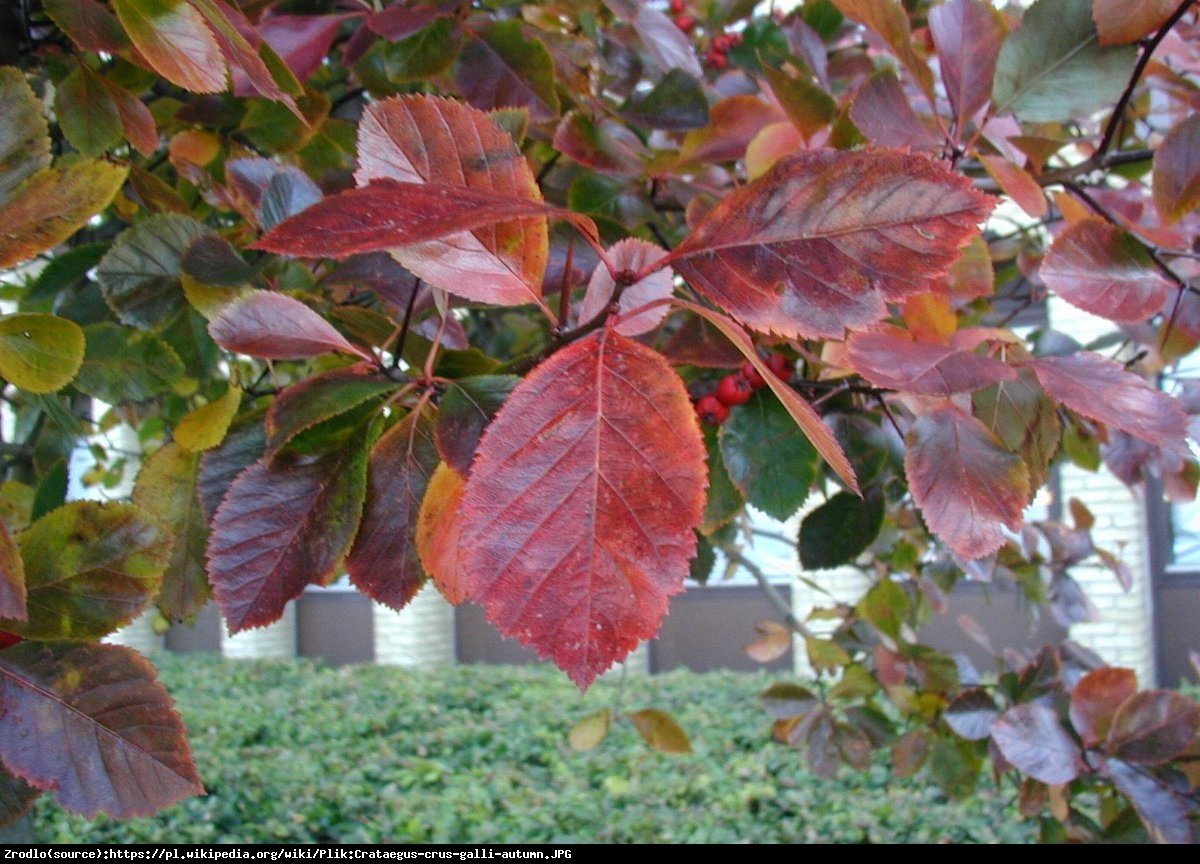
x,y
402,331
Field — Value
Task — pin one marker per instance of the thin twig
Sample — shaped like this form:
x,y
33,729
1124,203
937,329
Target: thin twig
x,y
402,331
777,599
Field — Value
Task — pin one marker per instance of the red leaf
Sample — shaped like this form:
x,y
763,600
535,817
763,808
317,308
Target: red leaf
x,y
967,35
605,145
277,327
1103,270
12,579
733,122
1120,21
136,120
882,111
1032,739
387,213
91,724
88,23
1096,699
422,139
888,360
176,42
1125,402
284,525
806,418
384,563
632,255
1017,184
1153,727
397,22
966,484
302,41
581,504
242,46
1177,171
819,242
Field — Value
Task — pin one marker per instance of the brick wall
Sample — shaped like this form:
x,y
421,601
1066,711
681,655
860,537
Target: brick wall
x,y
420,636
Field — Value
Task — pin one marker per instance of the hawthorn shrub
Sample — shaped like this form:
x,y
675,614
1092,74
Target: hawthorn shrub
x,y
440,292
294,752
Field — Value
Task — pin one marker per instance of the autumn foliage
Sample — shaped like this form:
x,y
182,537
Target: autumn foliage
x,y
433,292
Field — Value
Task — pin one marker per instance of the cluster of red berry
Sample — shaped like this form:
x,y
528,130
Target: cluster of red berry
x,y
717,56
737,388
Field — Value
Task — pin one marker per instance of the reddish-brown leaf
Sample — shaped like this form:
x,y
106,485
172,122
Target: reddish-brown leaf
x,y
277,327
732,124
889,19
1018,184
301,41
281,526
604,145
818,243
1032,739
883,112
439,529
1102,390
1096,699
388,213
1104,270
177,43
971,714
580,508
966,483
88,23
383,562
244,50
12,579
1123,21
1153,727
806,418
422,139
91,724
136,120
1177,171
322,397
887,359
666,44
633,255
968,35
398,22
774,640
16,797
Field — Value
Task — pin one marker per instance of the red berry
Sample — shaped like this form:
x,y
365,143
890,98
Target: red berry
x,y
686,23
712,410
781,365
722,43
7,639
677,7
750,373
716,60
734,390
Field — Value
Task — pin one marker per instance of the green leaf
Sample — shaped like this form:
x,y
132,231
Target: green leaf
x,y
724,500
660,731
840,530
65,272
589,732
954,766
140,274
500,68
809,107
166,487
89,569
419,57
86,112
24,134
204,428
174,39
39,353
886,606
767,456
315,401
1053,67
1024,418
676,102
51,491
126,365
825,655
702,565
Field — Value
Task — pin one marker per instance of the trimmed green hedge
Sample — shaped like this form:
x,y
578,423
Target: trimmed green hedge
x,y
294,752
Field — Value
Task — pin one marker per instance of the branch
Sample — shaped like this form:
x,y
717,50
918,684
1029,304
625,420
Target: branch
x,y
777,599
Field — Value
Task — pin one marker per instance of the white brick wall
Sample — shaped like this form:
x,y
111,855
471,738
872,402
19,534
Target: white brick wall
x,y
139,634
275,641
420,636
